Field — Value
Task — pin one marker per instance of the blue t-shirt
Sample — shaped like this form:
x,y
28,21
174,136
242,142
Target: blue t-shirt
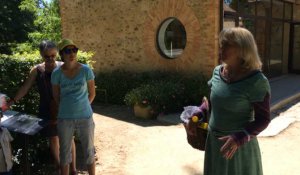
x,y
74,102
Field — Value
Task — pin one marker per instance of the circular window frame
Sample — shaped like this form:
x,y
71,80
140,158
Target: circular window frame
x,y
165,23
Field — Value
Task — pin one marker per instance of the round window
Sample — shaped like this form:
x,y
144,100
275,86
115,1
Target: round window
x,y
171,38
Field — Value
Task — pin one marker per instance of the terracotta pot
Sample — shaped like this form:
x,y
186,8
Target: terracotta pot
x,y
144,112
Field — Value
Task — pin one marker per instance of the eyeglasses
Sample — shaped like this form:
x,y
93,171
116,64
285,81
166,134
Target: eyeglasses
x,y
49,57
69,51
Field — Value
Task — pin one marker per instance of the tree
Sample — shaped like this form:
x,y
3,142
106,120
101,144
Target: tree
x,y
47,20
15,25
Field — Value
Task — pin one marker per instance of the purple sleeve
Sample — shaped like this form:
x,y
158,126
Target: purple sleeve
x,y
262,116
261,121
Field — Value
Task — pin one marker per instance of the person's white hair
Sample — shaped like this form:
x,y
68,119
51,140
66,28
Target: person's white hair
x,y
244,40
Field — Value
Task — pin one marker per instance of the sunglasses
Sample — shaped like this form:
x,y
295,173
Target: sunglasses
x,y
69,51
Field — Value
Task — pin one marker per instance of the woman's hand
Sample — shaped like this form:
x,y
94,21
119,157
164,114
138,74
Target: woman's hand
x,y
10,102
229,147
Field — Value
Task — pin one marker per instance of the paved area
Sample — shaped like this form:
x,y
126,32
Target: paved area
x,y
285,90
285,94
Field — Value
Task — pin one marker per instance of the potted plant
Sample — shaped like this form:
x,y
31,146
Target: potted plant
x,y
150,99
141,99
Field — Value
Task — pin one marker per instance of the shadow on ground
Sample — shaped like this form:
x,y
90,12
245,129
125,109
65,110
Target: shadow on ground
x,y
125,113
122,113
283,109
192,170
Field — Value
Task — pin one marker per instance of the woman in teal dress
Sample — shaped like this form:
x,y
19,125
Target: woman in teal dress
x,y
240,100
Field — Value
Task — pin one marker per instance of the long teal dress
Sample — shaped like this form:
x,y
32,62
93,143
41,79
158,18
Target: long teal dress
x,y
231,112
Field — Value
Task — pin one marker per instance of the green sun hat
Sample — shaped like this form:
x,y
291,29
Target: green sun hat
x,y
64,43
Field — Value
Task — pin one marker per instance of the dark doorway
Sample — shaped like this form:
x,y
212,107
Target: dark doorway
x,y
294,56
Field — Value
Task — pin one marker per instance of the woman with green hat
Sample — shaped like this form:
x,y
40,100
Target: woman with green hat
x,y
74,90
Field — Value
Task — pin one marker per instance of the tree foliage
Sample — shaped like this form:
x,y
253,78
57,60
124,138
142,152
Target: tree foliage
x,y
47,19
15,24
24,23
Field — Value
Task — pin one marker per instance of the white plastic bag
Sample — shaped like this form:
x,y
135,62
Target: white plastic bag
x,y
188,112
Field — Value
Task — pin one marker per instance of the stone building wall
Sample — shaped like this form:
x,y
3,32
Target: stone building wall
x,y
122,33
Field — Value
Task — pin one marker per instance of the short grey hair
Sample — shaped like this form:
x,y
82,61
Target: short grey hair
x,y
46,44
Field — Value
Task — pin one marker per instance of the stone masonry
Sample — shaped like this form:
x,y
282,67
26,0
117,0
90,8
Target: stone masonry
x,y
122,33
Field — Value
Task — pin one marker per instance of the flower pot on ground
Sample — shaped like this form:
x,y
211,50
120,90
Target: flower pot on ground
x,y
146,112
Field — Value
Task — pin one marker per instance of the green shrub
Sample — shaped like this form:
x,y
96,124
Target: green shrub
x,y
85,58
195,87
161,96
118,84
13,72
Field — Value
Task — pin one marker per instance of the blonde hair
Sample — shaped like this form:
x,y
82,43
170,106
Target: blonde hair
x,y
244,40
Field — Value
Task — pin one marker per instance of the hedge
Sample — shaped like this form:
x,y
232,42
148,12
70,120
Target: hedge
x,y
119,83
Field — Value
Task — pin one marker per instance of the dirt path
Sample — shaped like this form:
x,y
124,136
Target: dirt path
x,y
281,154
129,146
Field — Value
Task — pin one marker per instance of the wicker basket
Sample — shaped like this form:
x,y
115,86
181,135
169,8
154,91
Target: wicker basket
x,y
198,140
